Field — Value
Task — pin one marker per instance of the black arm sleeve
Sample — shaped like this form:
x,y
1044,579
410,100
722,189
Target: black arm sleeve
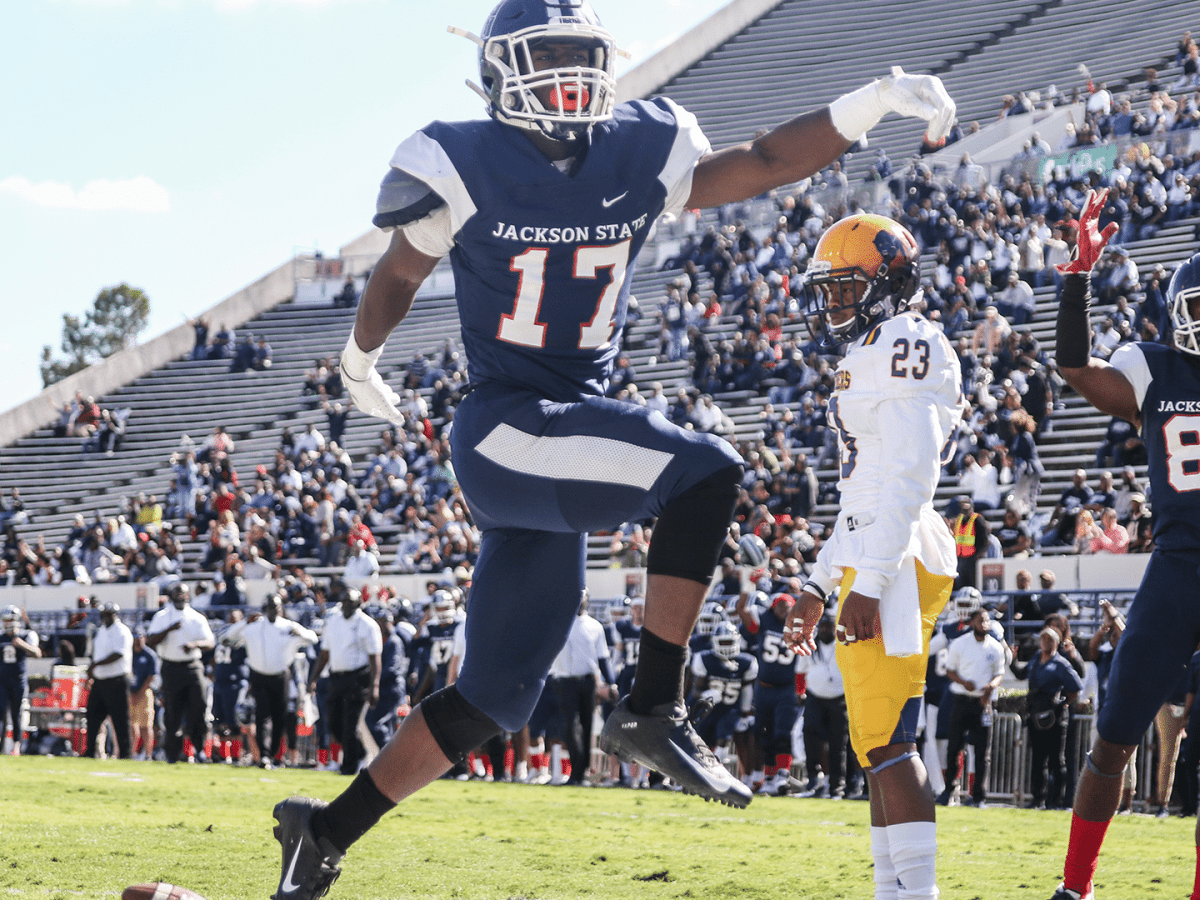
x,y
1072,332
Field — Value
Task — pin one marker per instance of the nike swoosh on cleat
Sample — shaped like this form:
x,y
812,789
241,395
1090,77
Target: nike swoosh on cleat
x,y
607,203
288,885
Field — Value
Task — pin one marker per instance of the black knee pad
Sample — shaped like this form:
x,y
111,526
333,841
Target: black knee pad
x,y
691,529
456,725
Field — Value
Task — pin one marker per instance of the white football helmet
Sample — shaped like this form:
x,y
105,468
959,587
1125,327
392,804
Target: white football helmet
x,y
726,641
11,618
712,614
444,607
966,601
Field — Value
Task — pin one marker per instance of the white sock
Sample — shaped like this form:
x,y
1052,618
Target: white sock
x,y
520,771
556,761
913,848
885,873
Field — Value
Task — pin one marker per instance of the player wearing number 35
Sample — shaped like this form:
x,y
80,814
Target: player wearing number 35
x,y
543,208
890,560
1157,388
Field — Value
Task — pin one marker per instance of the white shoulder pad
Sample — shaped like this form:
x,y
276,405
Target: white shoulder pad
x,y
690,147
424,159
1130,361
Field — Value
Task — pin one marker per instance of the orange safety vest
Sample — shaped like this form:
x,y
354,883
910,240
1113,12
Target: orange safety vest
x,y
964,535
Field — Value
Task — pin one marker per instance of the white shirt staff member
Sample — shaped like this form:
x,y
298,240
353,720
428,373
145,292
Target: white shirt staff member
x,y
350,645
581,667
824,712
179,634
271,641
111,666
975,666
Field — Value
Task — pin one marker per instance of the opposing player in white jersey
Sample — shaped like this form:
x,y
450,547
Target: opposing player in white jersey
x,y
897,399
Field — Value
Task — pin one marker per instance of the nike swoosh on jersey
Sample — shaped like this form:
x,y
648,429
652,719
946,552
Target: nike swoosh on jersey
x,y
607,203
289,885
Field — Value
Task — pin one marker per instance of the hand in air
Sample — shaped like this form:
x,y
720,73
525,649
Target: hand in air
x,y
922,97
373,396
1091,241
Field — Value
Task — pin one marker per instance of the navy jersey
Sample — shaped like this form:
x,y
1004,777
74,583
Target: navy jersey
x,y
12,657
734,678
393,665
542,258
229,664
630,636
776,660
441,648
1167,385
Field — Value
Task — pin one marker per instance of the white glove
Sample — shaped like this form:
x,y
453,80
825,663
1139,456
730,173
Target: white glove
x,y
366,386
713,695
919,96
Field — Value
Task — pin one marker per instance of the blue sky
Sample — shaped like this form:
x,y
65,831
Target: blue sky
x,y
190,146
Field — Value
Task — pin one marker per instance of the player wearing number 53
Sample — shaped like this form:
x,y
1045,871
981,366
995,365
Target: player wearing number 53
x,y
1157,388
542,209
890,561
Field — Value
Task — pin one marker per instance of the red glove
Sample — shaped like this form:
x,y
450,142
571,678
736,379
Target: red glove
x,y
1090,242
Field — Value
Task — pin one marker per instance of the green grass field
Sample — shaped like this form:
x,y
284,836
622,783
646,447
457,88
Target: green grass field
x,y
73,828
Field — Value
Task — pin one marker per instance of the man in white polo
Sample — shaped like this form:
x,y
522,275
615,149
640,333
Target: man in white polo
x,y
350,645
271,641
179,634
111,666
975,666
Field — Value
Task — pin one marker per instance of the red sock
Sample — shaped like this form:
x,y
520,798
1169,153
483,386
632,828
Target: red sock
x,y
1196,885
1082,853
783,762
768,771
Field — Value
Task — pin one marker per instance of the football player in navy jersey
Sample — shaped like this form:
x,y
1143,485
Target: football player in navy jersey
x,y
542,209
1157,388
724,676
776,706
17,644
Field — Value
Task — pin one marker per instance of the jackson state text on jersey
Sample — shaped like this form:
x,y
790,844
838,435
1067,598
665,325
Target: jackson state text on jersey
x,y
1167,384
543,260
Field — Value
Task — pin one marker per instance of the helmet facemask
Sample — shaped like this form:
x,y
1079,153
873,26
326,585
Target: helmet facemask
x,y
560,102
1185,330
726,642
830,292
864,269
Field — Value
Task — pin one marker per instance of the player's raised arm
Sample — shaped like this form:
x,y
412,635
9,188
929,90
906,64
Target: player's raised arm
x,y
1102,385
385,302
804,145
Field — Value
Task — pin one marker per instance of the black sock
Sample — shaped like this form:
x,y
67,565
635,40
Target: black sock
x,y
659,675
352,814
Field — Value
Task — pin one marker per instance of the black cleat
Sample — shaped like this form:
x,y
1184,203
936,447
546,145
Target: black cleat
x,y
1065,893
666,742
310,866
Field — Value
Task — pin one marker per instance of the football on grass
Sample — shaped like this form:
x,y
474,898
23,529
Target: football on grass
x,y
158,890
752,550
